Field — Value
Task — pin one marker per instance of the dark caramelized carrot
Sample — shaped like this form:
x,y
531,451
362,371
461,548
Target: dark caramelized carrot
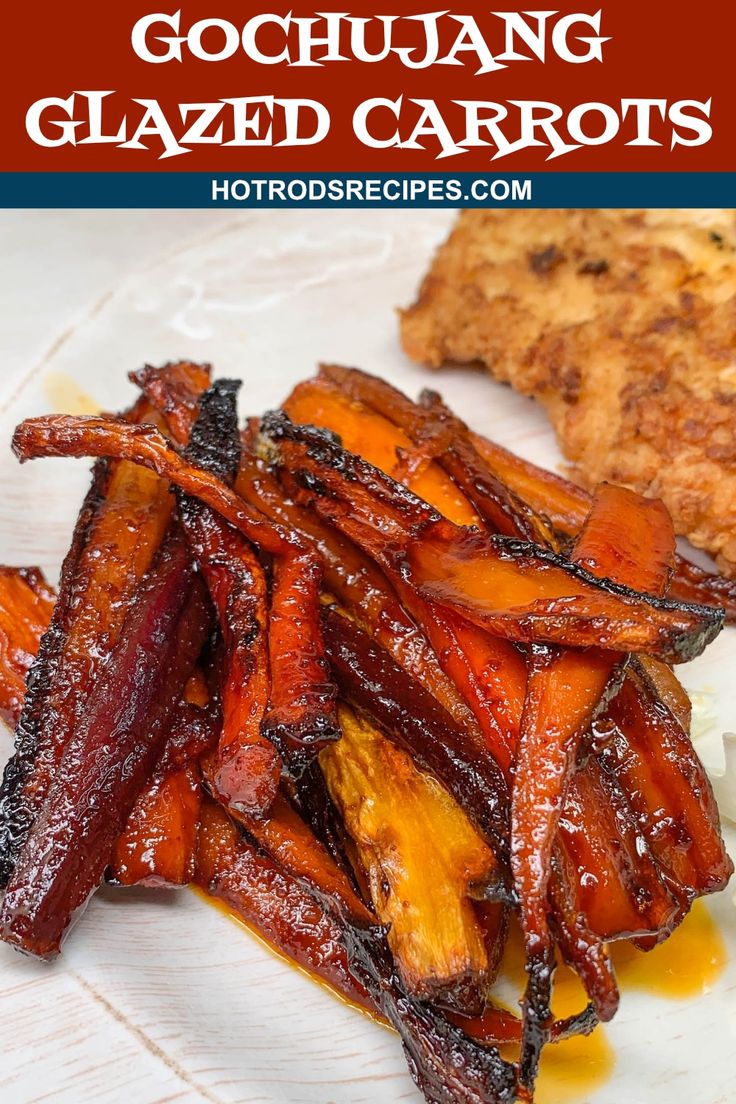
x,y
358,585
653,759
440,436
285,697
630,540
248,764
272,902
144,445
287,839
566,505
301,716
109,757
156,847
366,433
26,605
537,497
174,391
118,531
158,843
295,597
301,711
445,1062
529,595
512,588
409,716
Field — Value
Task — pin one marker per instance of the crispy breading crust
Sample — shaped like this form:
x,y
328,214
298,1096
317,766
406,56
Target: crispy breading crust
x,y
623,324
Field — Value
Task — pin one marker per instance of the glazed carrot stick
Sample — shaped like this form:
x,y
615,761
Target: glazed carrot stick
x,y
248,764
652,757
630,540
512,588
110,755
566,505
118,532
358,585
273,902
295,601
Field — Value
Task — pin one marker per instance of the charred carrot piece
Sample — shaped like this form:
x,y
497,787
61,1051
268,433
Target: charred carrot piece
x,y
692,583
109,757
301,713
367,433
512,588
630,540
144,445
158,844
444,1061
248,764
118,531
174,391
408,715
295,599
566,505
496,1026
440,436
273,903
654,760
26,605
358,585
530,596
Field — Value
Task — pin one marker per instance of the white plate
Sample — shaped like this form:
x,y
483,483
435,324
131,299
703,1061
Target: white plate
x,y
159,997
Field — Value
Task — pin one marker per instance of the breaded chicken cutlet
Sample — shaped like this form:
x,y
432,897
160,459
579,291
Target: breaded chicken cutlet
x,y
623,324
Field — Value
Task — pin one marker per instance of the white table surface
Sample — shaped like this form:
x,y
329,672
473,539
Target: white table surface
x,y
56,265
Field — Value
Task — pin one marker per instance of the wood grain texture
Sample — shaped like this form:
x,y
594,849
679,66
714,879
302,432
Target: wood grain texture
x,y
159,997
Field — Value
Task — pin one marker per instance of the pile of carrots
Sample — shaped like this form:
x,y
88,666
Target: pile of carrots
x,y
376,683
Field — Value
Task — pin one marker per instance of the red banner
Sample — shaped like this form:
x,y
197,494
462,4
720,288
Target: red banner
x,y
218,86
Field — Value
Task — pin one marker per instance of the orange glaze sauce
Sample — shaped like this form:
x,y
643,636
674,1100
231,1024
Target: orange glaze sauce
x,y
570,1070
236,918
692,958
63,394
